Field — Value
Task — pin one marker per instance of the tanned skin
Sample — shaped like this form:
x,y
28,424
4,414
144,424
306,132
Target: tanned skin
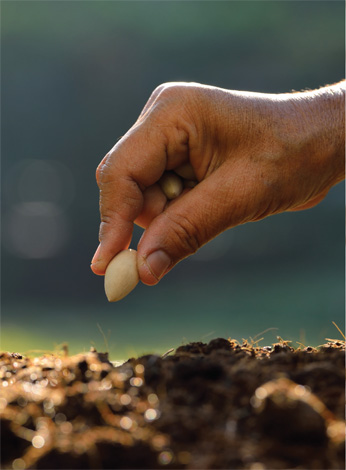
x,y
254,155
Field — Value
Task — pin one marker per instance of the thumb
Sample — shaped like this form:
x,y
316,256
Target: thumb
x,y
189,222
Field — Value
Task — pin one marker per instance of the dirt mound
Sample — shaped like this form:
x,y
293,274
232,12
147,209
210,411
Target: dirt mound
x,y
221,405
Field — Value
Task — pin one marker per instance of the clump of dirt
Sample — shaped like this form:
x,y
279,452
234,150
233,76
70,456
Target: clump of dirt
x,y
221,405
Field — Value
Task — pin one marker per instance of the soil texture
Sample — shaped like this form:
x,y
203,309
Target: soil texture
x,y
221,405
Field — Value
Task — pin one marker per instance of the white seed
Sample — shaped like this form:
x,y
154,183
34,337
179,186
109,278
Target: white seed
x,y
186,171
121,275
171,185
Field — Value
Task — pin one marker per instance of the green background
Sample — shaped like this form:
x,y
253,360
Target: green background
x,y
75,76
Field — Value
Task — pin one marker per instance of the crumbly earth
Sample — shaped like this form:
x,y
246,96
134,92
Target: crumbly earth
x,y
221,405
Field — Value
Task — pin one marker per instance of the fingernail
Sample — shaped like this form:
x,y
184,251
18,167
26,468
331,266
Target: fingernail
x,y
96,255
158,262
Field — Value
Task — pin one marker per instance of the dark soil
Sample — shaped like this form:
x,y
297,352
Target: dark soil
x,y
221,405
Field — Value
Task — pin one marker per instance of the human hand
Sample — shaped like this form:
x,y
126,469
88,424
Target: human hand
x,y
253,155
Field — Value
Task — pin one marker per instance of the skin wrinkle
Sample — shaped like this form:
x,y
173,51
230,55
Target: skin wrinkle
x,y
329,109
177,146
183,122
123,226
253,120
176,138
151,209
185,231
146,173
104,171
304,143
131,200
217,204
201,138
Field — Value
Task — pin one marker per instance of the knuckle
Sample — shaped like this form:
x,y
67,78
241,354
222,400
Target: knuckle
x,y
106,220
107,170
164,87
124,200
171,90
102,170
105,226
158,89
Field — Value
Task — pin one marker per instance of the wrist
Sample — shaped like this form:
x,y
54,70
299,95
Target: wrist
x,y
313,129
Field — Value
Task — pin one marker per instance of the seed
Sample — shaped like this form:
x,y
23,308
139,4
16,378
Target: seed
x,y
186,171
121,275
171,185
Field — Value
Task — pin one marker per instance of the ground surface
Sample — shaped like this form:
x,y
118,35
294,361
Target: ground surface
x,y
221,405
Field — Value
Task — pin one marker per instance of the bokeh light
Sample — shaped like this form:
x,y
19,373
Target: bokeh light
x,y
35,230
44,180
38,179
38,442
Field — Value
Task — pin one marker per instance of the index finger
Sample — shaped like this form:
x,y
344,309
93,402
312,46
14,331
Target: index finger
x,y
134,163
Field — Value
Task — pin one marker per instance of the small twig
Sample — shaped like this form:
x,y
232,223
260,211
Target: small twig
x,y
206,335
283,341
336,326
104,337
257,341
262,332
167,352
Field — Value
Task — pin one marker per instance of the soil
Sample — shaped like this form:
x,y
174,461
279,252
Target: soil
x,y
221,405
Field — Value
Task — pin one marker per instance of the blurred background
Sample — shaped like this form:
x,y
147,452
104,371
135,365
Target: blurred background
x,y
75,76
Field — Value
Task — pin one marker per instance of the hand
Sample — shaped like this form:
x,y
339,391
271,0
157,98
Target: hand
x,y
253,154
